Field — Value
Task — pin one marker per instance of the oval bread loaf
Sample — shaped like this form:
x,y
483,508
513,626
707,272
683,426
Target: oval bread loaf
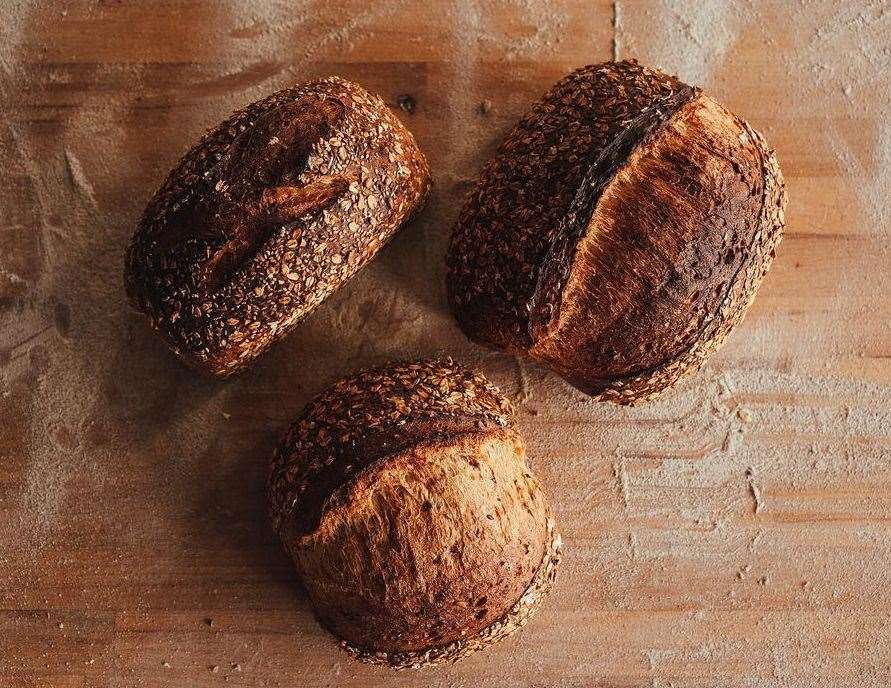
x,y
620,232
270,213
403,496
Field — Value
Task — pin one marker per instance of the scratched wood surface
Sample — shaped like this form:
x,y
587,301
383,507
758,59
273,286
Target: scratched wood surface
x,y
734,533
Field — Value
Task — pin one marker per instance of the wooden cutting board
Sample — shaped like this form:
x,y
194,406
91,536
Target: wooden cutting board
x,y
735,533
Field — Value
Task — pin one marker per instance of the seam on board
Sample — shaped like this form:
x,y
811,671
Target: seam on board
x,y
616,23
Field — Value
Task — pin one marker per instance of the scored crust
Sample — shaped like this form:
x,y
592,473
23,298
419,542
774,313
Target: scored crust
x,y
370,415
267,215
508,221
671,258
639,276
429,449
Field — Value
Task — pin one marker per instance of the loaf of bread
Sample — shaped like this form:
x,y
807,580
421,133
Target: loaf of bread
x,y
271,212
620,232
403,496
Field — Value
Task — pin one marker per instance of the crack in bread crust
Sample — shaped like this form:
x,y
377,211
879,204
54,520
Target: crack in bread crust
x,y
631,284
740,293
544,305
268,215
403,496
369,415
523,193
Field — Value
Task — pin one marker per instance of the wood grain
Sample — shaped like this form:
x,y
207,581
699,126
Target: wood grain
x,y
734,533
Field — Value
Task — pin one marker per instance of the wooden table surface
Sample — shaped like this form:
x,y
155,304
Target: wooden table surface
x,y
736,532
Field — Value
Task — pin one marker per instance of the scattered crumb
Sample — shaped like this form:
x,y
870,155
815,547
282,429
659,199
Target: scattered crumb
x,y
407,103
621,476
524,393
754,489
485,107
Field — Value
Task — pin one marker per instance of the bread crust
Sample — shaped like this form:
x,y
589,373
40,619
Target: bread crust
x,y
370,415
267,215
657,257
437,540
525,191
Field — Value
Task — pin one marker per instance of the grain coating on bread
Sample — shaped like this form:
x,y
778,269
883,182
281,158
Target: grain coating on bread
x,y
523,194
644,272
270,213
673,230
429,538
370,415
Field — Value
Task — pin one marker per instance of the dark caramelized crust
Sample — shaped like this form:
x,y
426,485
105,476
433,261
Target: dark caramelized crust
x,y
652,288
566,236
510,219
643,273
403,496
367,416
267,215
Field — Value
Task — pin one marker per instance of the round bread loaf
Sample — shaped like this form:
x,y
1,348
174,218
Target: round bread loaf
x,y
270,213
620,232
403,496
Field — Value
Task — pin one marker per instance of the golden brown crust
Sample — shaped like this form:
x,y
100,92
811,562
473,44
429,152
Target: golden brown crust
x,y
370,415
272,211
559,264
656,259
438,540
670,234
511,621
523,194
735,295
